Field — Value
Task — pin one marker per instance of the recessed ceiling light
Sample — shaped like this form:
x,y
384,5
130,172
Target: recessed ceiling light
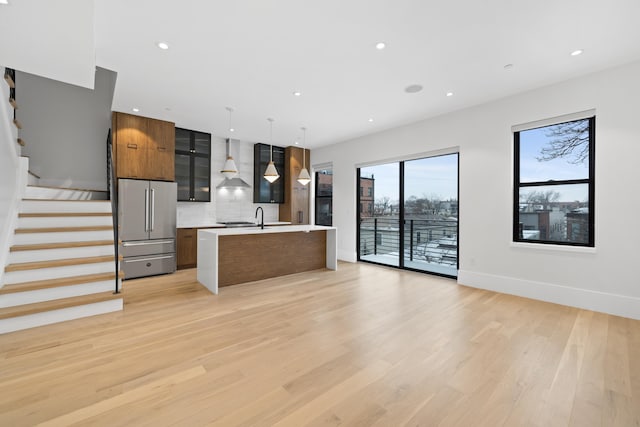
x,y
577,52
370,120
4,1
297,143
449,93
508,66
297,93
163,45
380,45
413,88
135,110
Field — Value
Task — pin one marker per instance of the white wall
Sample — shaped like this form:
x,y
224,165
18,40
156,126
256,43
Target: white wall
x,y
226,205
604,279
65,129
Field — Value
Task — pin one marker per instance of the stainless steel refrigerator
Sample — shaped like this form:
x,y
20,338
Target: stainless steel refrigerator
x,y
147,223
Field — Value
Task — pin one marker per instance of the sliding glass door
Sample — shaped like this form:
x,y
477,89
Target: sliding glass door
x,y
431,214
408,214
378,214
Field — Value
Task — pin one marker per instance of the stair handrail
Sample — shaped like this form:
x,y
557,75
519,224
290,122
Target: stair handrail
x,y
111,186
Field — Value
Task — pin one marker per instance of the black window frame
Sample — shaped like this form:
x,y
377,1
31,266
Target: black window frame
x,y
590,181
193,154
323,197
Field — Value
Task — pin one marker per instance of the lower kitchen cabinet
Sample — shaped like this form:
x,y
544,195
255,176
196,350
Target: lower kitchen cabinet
x,y
187,248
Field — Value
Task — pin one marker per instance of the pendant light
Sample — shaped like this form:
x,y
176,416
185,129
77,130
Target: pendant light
x,y
271,174
230,169
304,177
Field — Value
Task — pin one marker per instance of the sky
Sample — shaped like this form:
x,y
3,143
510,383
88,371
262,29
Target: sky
x,y
531,169
429,177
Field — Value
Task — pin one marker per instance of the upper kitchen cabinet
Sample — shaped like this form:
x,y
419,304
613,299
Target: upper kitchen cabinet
x,y
295,208
263,190
193,165
144,147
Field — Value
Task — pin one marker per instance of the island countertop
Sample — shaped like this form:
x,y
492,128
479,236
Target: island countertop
x,y
229,256
267,229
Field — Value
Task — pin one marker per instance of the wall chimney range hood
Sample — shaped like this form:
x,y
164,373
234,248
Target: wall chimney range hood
x,y
235,182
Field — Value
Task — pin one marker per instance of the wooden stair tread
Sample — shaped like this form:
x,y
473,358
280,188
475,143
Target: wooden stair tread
x,y
27,309
63,229
9,81
56,283
60,245
67,188
20,141
17,123
59,263
58,214
13,103
65,200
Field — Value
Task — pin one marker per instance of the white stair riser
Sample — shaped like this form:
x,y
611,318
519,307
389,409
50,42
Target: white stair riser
x,y
13,277
52,254
41,295
75,221
63,194
55,316
76,236
33,206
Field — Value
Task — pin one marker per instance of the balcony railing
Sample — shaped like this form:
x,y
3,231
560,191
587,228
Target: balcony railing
x,y
425,240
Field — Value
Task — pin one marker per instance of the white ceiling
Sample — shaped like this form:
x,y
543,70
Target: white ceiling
x,y
54,39
253,54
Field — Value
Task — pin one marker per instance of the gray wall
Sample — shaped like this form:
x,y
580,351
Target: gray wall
x,y
65,129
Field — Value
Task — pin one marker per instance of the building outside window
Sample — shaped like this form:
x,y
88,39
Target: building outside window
x,y
324,197
554,183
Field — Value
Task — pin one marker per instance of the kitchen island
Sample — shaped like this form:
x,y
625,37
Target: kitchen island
x,y
230,256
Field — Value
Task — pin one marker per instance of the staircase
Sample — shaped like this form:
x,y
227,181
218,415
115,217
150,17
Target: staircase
x,y
62,264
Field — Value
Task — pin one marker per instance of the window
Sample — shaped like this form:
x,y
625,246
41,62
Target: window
x,y
369,190
554,183
193,165
324,197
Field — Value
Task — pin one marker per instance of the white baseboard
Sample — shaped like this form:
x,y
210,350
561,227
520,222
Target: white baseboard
x,y
347,256
618,305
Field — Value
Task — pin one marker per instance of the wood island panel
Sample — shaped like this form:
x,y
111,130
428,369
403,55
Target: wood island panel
x,y
249,257
187,248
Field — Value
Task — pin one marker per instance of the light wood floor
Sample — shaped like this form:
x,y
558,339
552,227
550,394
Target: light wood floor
x,y
361,346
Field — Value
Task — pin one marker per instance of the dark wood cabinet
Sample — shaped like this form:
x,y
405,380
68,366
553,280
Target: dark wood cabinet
x,y
144,147
187,248
263,190
295,208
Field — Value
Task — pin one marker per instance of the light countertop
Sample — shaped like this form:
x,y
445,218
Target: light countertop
x,y
268,229
218,225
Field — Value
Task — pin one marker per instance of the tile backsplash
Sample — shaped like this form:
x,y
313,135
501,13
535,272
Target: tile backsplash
x,y
226,204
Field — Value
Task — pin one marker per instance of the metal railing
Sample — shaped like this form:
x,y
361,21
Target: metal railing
x,y
113,196
427,240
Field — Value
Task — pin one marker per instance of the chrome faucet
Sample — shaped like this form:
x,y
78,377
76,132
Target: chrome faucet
x,y
261,216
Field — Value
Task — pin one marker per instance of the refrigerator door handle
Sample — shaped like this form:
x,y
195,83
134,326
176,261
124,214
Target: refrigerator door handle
x,y
149,259
153,208
155,242
146,209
